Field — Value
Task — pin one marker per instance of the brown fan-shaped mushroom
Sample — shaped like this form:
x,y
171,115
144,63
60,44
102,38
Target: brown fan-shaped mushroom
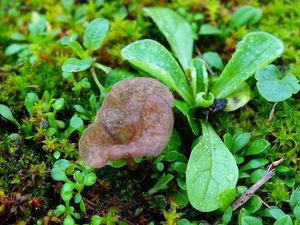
x,y
135,120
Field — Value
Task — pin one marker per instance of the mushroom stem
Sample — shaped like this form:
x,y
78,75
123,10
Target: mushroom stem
x,y
132,165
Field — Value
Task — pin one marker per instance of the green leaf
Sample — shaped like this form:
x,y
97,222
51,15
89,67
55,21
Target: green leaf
x,y
58,104
13,49
188,113
245,15
77,198
6,114
208,29
30,99
78,176
74,45
76,65
204,100
77,123
297,211
250,220
96,220
69,220
117,75
295,198
180,198
254,164
171,156
227,216
210,172
90,179
161,184
62,164
58,174
273,87
253,204
95,33
255,51
60,209
199,76
214,60
240,97
274,212
153,58
176,30
240,141
117,164
284,220
257,147
82,206
67,191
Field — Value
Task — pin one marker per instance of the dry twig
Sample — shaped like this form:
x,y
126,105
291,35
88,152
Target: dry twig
x,y
255,187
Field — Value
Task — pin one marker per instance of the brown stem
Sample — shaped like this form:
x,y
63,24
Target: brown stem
x,y
131,164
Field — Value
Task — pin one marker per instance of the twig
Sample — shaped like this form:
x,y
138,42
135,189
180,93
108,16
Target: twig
x,y
272,111
201,56
255,187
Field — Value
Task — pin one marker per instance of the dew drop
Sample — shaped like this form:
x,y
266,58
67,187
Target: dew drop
x,y
230,177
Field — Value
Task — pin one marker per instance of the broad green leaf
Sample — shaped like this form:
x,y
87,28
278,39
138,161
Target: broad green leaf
x,y
255,51
211,171
254,164
187,111
95,33
273,87
245,15
297,211
161,184
257,147
295,198
153,58
6,114
214,60
238,98
14,48
176,30
284,220
76,65
199,76
250,220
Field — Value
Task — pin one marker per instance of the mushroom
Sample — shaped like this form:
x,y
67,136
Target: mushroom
x,y
135,120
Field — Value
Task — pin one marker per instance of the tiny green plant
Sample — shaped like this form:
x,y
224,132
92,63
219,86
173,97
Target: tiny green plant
x,y
207,183
93,38
82,176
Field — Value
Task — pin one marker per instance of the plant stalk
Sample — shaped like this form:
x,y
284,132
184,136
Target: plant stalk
x,y
99,85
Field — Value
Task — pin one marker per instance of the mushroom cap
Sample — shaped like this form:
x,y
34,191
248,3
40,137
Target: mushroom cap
x,y
135,120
